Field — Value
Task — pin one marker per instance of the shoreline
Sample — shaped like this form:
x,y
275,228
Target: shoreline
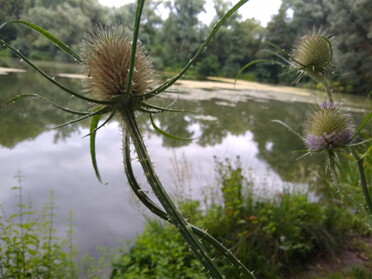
x,y
226,89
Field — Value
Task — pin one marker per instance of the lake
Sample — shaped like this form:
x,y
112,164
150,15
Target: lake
x,y
225,121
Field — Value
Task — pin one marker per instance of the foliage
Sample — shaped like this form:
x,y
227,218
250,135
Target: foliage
x,y
172,40
159,252
29,247
275,236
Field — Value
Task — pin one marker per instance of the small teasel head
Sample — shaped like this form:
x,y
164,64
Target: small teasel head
x,y
107,55
328,128
312,53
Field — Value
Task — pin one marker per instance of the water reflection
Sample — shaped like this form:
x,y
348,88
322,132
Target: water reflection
x,y
223,126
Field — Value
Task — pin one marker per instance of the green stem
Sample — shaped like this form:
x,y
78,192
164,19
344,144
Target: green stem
x,y
343,192
174,215
136,27
141,195
363,181
328,90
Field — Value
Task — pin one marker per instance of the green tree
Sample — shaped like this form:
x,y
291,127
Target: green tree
x,y
182,32
351,23
11,10
349,20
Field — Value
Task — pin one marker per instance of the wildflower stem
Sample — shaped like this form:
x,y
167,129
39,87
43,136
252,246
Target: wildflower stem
x,y
332,167
327,89
174,215
363,181
134,44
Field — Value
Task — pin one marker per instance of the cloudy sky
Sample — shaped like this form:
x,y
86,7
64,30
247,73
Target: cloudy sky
x,y
261,10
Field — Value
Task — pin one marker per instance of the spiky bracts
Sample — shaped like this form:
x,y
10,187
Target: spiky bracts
x,y
312,53
107,55
328,128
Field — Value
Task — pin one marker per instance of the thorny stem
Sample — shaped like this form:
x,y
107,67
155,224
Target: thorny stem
x,y
363,181
327,89
163,215
332,167
174,215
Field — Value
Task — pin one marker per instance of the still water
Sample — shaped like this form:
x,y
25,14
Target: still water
x,y
225,123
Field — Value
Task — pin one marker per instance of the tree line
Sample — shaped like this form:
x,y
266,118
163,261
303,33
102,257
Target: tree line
x,y
172,41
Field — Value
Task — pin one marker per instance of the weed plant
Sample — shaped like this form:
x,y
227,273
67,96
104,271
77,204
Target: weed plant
x,y
29,247
277,236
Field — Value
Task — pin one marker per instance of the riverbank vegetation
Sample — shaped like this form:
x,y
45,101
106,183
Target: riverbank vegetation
x,y
279,237
291,234
173,38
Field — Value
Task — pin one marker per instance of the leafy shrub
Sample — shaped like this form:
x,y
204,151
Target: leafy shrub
x,y
274,236
29,247
159,252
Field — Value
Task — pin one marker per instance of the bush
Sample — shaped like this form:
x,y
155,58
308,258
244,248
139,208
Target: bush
x,y
159,252
273,236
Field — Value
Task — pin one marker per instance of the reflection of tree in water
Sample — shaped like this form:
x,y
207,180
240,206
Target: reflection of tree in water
x,y
29,118
215,120
277,146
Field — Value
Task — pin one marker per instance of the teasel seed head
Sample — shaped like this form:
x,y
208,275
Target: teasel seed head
x,y
312,53
106,54
328,128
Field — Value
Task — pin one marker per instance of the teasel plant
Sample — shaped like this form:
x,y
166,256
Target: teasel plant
x,y
328,129
120,83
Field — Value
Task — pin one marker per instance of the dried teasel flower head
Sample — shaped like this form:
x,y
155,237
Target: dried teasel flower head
x,y
312,53
328,128
106,54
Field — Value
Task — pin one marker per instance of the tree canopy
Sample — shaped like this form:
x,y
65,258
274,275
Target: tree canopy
x,y
173,39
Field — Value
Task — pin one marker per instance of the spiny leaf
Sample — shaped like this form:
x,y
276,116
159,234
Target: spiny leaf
x,y
48,36
216,27
160,131
289,128
52,80
160,109
103,124
24,96
93,127
367,152
360,128
98,112
248,65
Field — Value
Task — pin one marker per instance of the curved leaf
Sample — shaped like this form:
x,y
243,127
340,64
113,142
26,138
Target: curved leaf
x,y
93,131
52,80
160,131
62,46
361,126
24,96
289,128
216,27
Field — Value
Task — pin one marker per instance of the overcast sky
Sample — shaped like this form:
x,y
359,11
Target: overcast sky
x,y
262,10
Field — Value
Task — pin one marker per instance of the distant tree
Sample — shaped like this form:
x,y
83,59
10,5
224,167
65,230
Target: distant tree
x,y
11,10
351,22
182,32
